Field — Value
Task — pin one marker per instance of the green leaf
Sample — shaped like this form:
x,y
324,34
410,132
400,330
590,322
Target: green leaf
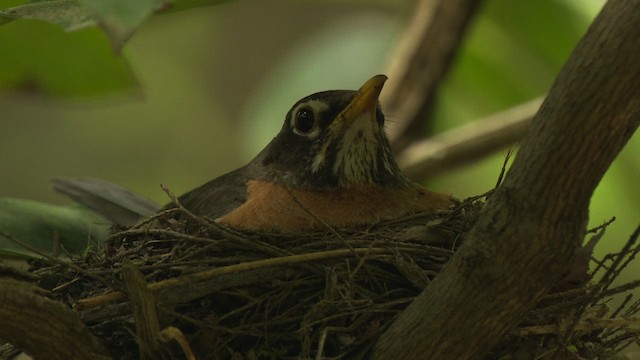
x,y
43,58
67,13
120,18
39,225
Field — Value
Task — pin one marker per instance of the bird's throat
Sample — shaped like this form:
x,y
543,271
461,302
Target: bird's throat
x,y
357,153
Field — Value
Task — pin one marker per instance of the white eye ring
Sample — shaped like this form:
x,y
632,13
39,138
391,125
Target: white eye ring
x,y
304,118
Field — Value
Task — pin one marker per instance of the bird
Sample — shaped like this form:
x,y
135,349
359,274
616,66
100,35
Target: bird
x,y
330,166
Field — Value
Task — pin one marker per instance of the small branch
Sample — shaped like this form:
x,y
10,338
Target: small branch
x,y
60,262
627,254
622,288
467,143
421,61
586,326
186,282
145,316
174,334
221,230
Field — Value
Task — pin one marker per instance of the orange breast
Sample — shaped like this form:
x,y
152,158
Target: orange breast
x,y
271,207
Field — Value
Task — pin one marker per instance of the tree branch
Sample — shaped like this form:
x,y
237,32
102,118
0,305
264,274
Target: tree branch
x,y
531,227
145,315
420,62
467,143
44,328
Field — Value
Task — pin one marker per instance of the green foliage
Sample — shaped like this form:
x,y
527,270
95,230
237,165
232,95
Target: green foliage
x,y
513,52
39,58
120,18
43,58
39,225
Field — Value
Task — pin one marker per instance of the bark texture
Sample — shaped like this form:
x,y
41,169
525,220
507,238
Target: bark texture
x,y
530,228
420,62
46,328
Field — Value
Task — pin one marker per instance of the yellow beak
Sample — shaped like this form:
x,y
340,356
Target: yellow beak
x,y
366,100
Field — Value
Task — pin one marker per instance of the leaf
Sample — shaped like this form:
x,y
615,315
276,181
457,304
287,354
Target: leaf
x,y
67,13
43,58
119,19
39,224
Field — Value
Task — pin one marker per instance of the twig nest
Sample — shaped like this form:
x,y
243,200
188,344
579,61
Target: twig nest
x,y
218,294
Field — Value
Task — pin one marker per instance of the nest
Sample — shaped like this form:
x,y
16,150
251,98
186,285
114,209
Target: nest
x,y
214,293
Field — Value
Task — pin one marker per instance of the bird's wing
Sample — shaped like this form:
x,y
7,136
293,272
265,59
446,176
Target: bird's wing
x,y
110,200
123,207
217,197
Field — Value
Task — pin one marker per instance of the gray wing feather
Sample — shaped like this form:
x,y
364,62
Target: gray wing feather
x,y
110,200
217,197
123,207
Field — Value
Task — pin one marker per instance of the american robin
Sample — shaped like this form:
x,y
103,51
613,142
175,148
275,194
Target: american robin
x,y
330,165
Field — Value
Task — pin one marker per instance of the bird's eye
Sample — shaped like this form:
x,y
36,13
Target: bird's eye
x,y
304,120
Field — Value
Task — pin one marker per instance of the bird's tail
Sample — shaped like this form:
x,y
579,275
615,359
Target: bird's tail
x,y
110,200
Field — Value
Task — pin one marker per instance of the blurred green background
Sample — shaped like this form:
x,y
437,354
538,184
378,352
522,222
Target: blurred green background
x,y
211,86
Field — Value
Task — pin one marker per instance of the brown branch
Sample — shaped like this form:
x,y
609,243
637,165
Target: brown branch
x,y
467,143
421,61
58,261
145,316
43,328
171,333
584,326
531,226
192,286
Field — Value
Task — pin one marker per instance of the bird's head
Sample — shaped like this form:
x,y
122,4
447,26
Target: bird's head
x,y
333,139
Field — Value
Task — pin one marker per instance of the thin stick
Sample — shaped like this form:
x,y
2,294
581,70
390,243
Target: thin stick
x,y
202,276
66,264
225,232
587,325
